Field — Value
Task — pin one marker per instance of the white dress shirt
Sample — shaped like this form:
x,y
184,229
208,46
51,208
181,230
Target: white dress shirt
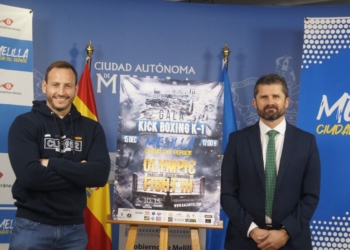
x,y
279,139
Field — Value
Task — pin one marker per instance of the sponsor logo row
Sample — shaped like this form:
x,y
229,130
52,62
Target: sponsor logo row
x,y
165,216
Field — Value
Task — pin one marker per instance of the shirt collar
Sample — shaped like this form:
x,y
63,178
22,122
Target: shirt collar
x,y
281,128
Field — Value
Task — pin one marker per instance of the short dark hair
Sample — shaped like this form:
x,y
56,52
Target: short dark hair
x,y
271,79
61,65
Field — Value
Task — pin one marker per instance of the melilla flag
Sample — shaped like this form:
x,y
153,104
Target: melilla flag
x,y
98,200
216,238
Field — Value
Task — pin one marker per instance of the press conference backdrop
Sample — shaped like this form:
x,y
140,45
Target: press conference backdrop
x,y
16,94
169,40
325,111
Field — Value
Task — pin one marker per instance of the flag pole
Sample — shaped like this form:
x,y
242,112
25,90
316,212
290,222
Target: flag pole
x,y
216,239
226,52
98,200
89,50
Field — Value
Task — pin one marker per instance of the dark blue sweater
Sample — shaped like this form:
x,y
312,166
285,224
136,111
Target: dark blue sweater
x,y
56,194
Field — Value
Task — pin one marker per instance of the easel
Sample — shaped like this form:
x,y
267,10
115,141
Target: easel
x,y
164,231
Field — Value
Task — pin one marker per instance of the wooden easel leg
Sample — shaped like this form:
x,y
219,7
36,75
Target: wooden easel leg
x,y
195,239
163,238
130,242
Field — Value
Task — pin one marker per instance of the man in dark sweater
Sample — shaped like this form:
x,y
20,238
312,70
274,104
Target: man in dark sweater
x,y
55,154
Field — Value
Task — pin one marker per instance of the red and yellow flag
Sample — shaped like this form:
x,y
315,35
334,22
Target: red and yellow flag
x,y
98,201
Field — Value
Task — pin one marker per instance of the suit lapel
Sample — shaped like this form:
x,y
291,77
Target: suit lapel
x,y
256,150
289,144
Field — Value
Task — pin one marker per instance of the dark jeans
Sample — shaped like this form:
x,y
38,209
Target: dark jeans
x,y
31,235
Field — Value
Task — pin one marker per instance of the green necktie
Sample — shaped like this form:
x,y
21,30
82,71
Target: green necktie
x,y
270,172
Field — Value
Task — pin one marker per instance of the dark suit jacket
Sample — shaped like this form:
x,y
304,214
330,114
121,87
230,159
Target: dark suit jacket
x,y
243,187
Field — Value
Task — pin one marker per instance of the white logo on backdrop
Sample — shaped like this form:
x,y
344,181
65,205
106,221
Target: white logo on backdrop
x,y
242,94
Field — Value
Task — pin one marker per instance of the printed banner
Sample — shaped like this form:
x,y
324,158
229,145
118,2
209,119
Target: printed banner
x,y
16,56
324,110
168,158
148,238
16,95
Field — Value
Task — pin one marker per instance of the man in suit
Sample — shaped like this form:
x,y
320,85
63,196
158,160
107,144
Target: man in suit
x,y
295,188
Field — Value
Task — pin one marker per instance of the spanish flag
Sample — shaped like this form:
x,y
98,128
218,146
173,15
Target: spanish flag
x,y
98,200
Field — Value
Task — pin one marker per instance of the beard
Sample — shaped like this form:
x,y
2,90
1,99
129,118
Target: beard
x,y
268,114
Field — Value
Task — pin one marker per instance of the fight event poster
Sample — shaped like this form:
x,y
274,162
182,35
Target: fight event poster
x,y
324,110
168,157
16,95
178,36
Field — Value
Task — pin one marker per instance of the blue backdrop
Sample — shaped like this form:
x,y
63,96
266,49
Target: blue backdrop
x,y
325,111
166,39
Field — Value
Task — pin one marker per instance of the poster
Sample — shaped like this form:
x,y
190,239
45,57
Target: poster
x,y
168,158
